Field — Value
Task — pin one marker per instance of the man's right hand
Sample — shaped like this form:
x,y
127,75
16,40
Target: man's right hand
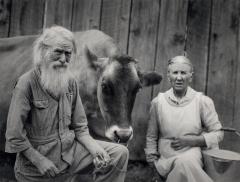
x,y
47,167
43,164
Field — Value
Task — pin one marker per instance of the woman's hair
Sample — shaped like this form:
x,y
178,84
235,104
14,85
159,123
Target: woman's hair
x,y
180,59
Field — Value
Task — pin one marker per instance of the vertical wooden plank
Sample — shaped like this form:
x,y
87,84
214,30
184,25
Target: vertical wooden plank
x,y
115,21
86,14
4,17
171,36
236,120
142,45
26,17
198,23
58,12
224,60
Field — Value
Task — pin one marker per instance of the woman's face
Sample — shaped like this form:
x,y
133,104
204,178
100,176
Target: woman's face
x,y
180,76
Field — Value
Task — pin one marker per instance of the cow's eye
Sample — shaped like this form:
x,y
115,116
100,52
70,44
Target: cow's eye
x,y
106,89
137,88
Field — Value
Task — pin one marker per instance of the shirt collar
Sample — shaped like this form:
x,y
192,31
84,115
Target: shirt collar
x,y
184,100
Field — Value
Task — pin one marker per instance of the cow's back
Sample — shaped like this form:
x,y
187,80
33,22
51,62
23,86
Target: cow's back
x,y
15,59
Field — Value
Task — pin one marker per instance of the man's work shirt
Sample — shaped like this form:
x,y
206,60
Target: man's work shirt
x,y
36,120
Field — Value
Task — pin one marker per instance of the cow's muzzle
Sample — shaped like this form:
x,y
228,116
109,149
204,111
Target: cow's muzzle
x,y
123,135
119,135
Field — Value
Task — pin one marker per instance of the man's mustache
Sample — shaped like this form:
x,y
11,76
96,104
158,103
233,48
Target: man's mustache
x,y
60,65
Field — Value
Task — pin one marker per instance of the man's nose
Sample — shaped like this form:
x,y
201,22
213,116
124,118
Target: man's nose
x,y
62,59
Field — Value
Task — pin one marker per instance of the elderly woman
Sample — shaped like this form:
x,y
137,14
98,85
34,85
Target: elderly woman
x,y
182,122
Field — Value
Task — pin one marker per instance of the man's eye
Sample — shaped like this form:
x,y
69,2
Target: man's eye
x,y
68,54
57,52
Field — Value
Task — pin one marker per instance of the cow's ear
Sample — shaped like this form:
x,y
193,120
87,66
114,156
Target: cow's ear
x,y
149,78
93,61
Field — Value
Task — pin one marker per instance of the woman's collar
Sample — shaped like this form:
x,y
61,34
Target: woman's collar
x,y
190,93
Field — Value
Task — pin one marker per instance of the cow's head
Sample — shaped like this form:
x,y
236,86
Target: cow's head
x,y
119,80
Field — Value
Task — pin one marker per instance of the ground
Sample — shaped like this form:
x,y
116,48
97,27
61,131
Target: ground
x,y
138,171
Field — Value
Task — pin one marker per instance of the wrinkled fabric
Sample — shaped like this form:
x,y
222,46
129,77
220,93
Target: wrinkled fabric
x,y
115,172
52,127
170,118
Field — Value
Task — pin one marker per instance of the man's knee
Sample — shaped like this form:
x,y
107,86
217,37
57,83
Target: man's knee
x,y
123,152
120,157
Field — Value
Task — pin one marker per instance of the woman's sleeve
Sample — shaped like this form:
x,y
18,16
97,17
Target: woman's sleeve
x,y
210,121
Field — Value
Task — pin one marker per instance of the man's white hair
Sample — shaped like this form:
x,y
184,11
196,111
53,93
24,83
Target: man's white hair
x,y
53,36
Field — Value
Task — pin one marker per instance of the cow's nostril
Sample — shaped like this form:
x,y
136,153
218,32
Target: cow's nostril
x,y
123,135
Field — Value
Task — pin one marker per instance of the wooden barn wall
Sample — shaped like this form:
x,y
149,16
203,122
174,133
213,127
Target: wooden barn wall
x,y
152,31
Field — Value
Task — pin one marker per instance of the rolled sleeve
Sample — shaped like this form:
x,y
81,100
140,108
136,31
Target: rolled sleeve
x,y
211,122
16,139
79,119
152,132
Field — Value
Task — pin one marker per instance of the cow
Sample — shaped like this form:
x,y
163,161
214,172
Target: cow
x,y
108,81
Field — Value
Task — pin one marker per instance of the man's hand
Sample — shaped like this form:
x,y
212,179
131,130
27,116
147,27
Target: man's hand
x,y
100,156
44,165
47,167
101,159
187,141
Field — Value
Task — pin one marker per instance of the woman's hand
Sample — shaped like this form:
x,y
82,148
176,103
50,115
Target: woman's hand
x,y
188,141
151,158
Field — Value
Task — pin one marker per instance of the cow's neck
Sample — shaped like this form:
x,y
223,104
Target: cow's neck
x,y
96,122
87,80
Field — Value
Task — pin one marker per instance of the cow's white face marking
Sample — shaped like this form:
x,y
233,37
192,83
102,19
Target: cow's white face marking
x,y
113,132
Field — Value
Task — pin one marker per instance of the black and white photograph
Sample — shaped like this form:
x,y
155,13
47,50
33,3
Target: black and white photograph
x,y
119,90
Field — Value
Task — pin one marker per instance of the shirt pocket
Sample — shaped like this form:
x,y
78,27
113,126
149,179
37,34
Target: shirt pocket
x,y
40,113
70,97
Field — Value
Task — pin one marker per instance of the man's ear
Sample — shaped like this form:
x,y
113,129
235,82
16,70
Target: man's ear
x,y
93,61
149,78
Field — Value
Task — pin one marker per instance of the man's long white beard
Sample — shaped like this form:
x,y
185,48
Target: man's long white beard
x,y
55,81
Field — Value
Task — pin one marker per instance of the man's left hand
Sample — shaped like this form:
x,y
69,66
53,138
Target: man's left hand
x,y
101,158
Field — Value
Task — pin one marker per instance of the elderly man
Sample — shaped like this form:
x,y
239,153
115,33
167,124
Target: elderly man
x,y
47,126
175,134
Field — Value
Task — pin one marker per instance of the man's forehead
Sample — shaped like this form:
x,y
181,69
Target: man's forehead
x,y
68,48
58,41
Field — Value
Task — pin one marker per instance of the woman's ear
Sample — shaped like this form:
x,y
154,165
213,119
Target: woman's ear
x,y
191,77
168,76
